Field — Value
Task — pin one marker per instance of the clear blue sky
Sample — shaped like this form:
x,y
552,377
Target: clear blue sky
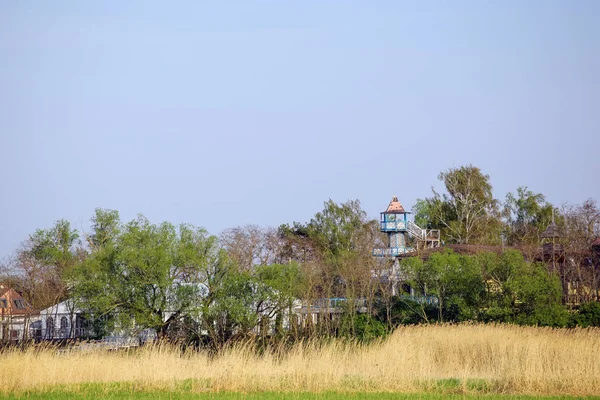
x,y
226,113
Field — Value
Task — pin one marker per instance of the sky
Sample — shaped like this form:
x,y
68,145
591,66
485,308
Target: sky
x,y
228,113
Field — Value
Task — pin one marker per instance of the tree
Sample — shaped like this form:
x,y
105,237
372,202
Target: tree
x,y
580,226
154,289
527,216
44,261
96,284
334,253
584,219
455,281
227,309
336,228
468,212
539,295
251,245
500,273
521,292
424,212
141,275
295,244
418,277
277,286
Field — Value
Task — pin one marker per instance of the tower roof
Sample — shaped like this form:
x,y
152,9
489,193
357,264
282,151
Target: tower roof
x,y
551,231
395,207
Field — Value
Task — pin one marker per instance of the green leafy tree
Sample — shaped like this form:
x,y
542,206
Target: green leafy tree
x,y
345,238
500,274
141,275
426,213
520,292
336,228
239,302
539,297
420,278
527,216
454,280
227,310
334,251
152,293
468,212
95,283
277,287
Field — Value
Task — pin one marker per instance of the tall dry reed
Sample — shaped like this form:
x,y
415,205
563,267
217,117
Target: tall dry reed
x,y
498,358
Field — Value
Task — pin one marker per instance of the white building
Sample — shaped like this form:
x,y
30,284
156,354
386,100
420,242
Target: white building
x,y
61,321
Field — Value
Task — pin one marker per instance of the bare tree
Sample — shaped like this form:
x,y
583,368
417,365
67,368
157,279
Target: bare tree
x,y
251,245
43,261
580,273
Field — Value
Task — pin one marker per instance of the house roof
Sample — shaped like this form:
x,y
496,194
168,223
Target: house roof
x,y
64,307
551,231
12,303
395,207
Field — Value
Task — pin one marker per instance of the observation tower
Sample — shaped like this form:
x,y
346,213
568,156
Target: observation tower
x,y
404,237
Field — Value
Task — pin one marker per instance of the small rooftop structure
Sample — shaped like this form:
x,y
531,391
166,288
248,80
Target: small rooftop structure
x,y
551,231
395,207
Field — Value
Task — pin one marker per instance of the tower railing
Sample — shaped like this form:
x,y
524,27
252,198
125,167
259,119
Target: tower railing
x,y
392,226
392,251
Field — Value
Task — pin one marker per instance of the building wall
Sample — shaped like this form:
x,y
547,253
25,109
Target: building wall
x,y
15,315
61,321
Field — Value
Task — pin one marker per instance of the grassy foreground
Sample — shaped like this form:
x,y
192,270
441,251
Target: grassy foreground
x,y
434,360
102,392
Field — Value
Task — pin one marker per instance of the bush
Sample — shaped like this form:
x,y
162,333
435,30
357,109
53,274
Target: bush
x,y
554,315
588,315
497,314
362,327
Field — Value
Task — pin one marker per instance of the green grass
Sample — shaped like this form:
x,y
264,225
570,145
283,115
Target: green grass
x,y
445,390
265,396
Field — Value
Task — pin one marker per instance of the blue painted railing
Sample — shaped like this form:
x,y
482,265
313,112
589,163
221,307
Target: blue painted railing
x,y
392,226
391,251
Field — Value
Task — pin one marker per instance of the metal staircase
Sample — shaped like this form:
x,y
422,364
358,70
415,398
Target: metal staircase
x,y
428,238
415,231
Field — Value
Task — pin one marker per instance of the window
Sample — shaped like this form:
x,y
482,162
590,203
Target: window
x,y
36,330
49,328
64,327
19,304
3,303
80,326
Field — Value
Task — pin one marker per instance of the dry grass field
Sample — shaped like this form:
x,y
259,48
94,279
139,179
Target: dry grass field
x,y
459,358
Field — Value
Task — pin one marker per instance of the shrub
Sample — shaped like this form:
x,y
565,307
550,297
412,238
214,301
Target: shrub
x,y
362,327
588,315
